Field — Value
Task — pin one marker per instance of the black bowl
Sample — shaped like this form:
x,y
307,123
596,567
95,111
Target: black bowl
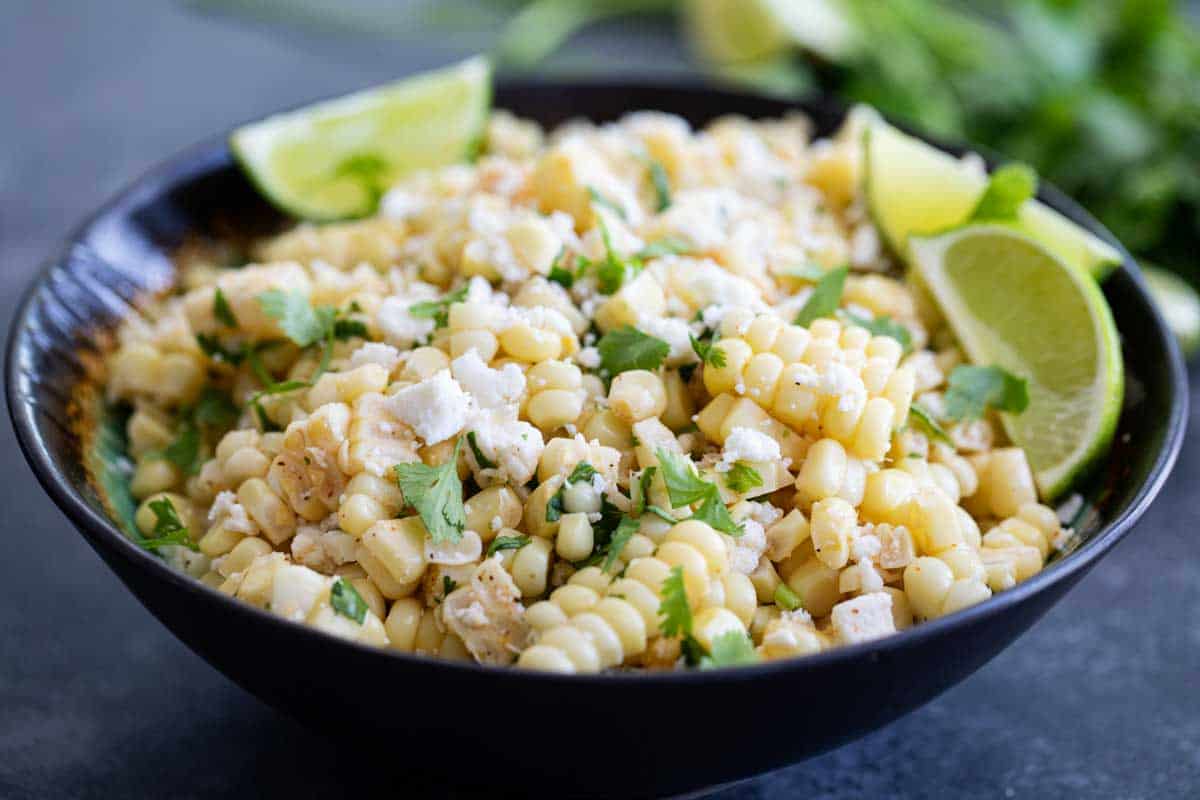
x,y
610,735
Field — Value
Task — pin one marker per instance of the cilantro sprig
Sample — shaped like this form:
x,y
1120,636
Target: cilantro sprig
x,y
222,311
168,528
346,600
685,487
974,389
627,348
708,352
507,543
825,297
928,423
436,495
741,478
438,310
732,648
729,649
673,607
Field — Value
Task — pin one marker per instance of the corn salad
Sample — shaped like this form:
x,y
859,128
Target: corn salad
x,y
611,397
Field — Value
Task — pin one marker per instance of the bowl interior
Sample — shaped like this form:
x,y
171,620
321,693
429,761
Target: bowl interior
x,y
126,251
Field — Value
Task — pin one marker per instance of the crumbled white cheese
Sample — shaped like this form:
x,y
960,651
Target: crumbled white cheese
x,y
394,319
379,353
748,548
588,358
468,548
227,511
677,335
864,543
747,444
436,408
492,389
401,203
863,618
513,446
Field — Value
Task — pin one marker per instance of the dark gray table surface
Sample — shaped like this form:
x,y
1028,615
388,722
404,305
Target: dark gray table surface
x,y
1100,700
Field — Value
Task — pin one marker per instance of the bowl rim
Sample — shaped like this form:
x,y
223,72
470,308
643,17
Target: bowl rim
x,y
212,153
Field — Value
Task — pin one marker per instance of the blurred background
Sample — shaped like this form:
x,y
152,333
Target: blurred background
x,y
1101,96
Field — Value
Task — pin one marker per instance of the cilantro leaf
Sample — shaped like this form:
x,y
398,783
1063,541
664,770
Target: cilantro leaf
x,y
974,389
669,246
662,185
628,348
882,325
344,329
601,200
583,472
928,423
714,512
436,494
211,346
448,585
730,649
825,297
554,507
438,310
708,352
222,311
661,514
184,450
613,270
684,486
483,461
507,543
786,599
741,478
303,324
168,528
674,609
640,490
1007,190
558,274
620,537
346,600
215,409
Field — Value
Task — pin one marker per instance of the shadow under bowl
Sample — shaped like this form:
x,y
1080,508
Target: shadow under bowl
x,y
619,735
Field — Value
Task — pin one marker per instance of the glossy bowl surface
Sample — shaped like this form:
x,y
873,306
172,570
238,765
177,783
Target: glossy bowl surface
x,y
501,729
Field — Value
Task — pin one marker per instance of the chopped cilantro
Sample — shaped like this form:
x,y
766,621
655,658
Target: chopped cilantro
x,y
222,311
825,297
507,543
583,472
184,451
928,423
882,325
605,202
685,487
348,329
661,513
299,321
346,600
662,185
708,352
972,390
438,310
483,461
627,348
741,478
558,274
616,543
731,649
448,585
613,270
1007,190
674,609
436,494
786,599
807,271
554,507
669,246
211,346
640,490
168,528
215,409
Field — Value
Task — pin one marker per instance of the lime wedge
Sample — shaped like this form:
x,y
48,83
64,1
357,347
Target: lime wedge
x,y
730,31
334,159
1179,304
915,189
1014,304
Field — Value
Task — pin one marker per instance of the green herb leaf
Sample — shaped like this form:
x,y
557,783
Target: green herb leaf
x,y
730,649
613,270
805,272
436,494
786,599
662,185
674,609
303,324
741,478
222,311
928,423
215,409
346,600
507,543
661,513
344,329
882,325
1007,190
554,507
640,490
708,352
601,200
184,451
972,390
583,472
483,461
558,274
168,528
714,512
620,537
669,246
212,347
449,585
825,297
628,348
684,486
438,310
